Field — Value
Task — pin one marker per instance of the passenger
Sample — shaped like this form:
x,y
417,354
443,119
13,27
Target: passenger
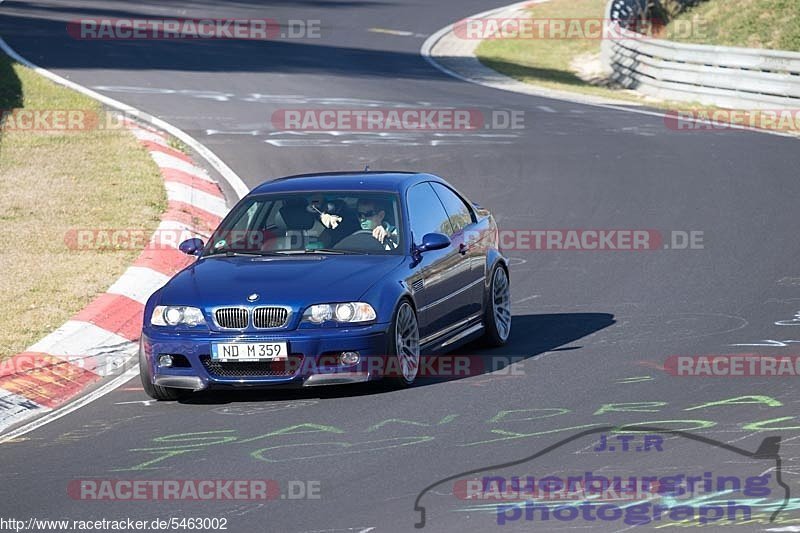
x,y
339,220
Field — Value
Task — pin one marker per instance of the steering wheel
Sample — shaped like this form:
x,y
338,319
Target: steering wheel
x,y
360,241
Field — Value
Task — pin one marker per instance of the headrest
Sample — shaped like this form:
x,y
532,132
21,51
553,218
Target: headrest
x,y
296,216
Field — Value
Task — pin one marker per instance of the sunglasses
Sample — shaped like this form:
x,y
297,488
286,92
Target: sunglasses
x,y
366,214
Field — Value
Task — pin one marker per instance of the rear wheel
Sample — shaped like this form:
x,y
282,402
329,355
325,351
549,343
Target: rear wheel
x,y
497,314
155,391
404,344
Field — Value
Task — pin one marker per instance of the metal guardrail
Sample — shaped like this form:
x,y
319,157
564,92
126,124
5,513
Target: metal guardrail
x,y
712,75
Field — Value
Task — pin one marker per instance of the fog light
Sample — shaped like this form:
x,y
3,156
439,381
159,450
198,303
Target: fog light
x,y
349,358
165,360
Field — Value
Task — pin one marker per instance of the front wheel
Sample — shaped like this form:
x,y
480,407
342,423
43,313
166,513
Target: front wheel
x,y
497,314
155,391
404,344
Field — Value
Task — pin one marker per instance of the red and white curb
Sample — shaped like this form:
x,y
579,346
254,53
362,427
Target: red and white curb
x,y
101,340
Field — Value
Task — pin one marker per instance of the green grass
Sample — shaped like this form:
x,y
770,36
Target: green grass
x,y
550,63
54,182
771,24
547,62
177,144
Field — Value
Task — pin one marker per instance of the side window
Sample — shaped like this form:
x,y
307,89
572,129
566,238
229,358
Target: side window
x,y
426,213
460,213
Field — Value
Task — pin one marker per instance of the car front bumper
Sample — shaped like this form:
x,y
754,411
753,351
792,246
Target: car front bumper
x,y
313,358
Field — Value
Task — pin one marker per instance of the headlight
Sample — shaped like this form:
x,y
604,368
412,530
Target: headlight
x,y
171,315
351,312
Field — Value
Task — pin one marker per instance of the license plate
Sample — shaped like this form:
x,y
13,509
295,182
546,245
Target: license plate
x,y
253,351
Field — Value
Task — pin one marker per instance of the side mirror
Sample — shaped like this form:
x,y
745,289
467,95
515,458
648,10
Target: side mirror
x,y
433,241
191,246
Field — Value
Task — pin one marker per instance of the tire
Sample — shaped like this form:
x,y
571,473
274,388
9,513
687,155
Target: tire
x,y
497,311
404,344
155,391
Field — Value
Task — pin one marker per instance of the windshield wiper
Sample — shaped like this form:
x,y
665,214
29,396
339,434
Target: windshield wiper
x,y
331,251
303,252
277,253
231,253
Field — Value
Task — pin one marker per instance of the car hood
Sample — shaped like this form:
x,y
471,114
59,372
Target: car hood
x,y
294,281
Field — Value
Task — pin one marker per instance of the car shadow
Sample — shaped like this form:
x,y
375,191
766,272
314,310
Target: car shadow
x,y
531,335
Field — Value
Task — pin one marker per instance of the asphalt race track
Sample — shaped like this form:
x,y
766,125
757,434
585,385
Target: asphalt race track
x,y
590,328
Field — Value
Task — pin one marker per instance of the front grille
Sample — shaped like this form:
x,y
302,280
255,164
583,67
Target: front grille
x,y
270,317
242,369
231,317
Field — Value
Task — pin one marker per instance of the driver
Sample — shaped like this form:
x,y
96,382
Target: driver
x,y
371,216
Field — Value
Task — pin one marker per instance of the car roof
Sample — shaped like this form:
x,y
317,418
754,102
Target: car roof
x,y
346,181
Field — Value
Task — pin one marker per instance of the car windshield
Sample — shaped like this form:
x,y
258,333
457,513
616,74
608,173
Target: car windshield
x,y
335,222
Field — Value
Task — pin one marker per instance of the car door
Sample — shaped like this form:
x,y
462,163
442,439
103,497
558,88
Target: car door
x,y
472,268
441,272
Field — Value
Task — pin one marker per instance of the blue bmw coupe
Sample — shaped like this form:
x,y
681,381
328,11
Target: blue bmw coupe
x,y
327,279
